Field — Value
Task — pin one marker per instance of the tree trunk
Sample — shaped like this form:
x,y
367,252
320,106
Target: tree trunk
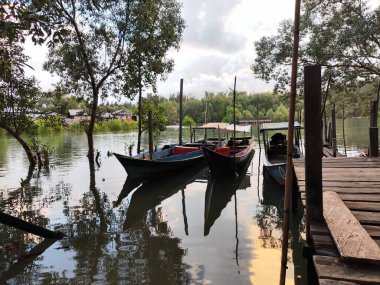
x,y
139,111
24,144
90,129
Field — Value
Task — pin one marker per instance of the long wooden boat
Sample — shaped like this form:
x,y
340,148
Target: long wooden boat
x,y
275,148
163,162
230,158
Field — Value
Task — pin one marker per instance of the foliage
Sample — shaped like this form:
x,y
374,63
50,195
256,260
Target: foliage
x,y
107,43
188,121
152,103
18,97
49,124
340,35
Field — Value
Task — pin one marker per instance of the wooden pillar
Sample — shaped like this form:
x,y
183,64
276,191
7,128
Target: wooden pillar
x,y
180,111
373,131
150,134
333,131
313,141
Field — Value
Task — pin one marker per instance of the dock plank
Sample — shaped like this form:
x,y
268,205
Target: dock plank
x,y
335,282
334,268
351,239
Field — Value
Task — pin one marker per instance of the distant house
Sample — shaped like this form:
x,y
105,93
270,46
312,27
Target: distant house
x,y
106,116
123,115
254,121
76,115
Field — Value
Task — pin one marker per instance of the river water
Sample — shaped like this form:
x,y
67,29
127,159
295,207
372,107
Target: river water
x,y
170,231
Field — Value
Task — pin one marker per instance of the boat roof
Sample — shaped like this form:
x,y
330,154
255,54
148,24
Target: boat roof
x,y
278,126
225,127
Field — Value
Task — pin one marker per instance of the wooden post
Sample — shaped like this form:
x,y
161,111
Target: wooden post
x,y
373,131
191,134
289,151
313,151
29,227
333,130
150,134
180,111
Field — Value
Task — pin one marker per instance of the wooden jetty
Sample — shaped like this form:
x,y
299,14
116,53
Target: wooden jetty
x,y
342,200
346,250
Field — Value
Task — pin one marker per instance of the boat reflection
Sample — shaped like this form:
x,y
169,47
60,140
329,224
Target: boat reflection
x,y
219,192
149,194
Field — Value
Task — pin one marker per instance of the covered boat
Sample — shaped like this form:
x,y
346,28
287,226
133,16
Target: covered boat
x,y
275,148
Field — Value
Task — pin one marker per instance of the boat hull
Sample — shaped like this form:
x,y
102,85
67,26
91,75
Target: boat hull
x,y
139,169
228,164
276,171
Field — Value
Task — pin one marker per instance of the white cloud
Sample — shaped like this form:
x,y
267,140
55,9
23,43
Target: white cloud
x,y
217,45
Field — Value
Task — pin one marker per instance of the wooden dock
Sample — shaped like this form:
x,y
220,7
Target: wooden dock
x,y
347,243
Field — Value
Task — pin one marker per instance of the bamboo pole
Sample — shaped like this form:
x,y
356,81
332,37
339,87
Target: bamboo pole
x,y
234,104
289,160
180,111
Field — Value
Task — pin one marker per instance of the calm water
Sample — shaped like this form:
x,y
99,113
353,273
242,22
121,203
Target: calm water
x,y
174,231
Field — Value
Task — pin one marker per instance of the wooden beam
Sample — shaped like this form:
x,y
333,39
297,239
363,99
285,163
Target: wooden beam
x,y
313,145
180,111
351,239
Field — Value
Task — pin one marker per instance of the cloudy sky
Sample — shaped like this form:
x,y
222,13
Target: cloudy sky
x,y
217,45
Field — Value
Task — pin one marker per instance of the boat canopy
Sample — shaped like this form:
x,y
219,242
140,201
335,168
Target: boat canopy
x,y
225,127
278,126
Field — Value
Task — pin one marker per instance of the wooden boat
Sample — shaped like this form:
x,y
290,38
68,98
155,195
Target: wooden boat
x,y
229,158
275,148
219,192
163,162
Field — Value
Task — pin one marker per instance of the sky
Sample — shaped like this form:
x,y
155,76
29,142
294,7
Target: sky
x,y
217,45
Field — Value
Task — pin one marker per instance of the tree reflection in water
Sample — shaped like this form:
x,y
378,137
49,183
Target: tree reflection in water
x,y
145,253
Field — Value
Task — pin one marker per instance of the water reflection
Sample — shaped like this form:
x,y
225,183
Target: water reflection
x,y
151,193
219,193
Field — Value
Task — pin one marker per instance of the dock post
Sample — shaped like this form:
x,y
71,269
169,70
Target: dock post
x,y
313,151
373,131
180,111
333,130
150,134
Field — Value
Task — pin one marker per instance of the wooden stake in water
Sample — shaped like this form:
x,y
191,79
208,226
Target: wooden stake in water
x,y
180,111
289,160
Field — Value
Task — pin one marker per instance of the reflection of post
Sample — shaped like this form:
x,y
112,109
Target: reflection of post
x,y
184,212
27,259
236,236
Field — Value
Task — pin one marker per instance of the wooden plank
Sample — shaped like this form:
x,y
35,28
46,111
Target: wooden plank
x,y
345,184
355,197
373,231
351,239
335,282
334,268
363,206
353,190
372,218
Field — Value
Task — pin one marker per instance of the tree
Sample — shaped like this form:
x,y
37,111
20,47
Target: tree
x,y
152,103
188,121
103,41
340,35
18,96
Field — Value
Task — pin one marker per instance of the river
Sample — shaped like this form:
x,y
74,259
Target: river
x,y
155,233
